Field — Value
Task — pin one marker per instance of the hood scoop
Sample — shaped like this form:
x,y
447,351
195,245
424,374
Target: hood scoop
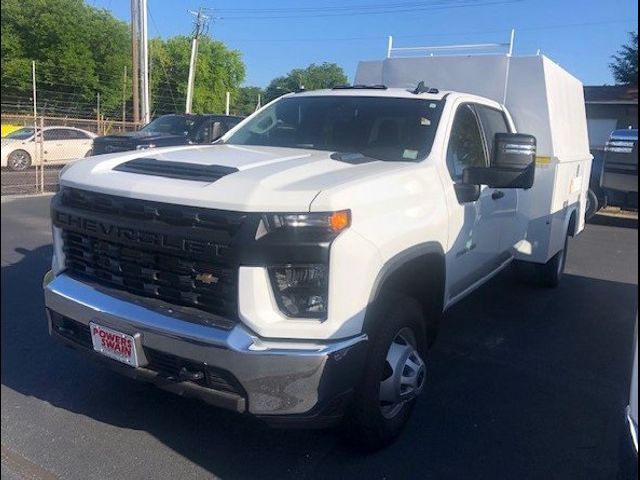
x,y
178,170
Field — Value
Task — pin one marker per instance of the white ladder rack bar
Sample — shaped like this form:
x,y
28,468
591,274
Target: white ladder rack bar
x,y
439,48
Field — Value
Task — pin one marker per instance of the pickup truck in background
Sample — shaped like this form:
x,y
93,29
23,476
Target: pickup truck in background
x,y
614,175
297,270
619,178
167,130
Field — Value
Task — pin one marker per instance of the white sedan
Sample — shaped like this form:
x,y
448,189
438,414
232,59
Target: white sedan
x,y
59,145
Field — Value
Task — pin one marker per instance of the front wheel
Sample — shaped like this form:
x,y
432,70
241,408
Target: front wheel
x,y
19,160
394,375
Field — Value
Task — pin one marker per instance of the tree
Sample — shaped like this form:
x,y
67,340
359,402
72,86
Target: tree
x,y
625,63
79,50
313,77
247,100
218,70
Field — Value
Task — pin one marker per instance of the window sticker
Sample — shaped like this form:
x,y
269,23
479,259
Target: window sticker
x,y
410,154
425,122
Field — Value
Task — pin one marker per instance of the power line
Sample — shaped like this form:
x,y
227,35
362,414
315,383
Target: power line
x,y
428,35
346,8
164,69
333,13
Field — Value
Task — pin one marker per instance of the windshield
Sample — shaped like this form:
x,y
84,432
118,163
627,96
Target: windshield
x,y
21,134
383,128
171,125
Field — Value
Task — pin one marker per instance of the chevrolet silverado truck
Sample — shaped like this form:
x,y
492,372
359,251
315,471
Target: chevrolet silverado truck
x,y
297,270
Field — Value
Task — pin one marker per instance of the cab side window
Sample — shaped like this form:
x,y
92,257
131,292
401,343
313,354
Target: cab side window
x,y
493,121
466,146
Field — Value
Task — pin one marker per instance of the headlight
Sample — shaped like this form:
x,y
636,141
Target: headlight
x,y
331,222
301,290
144,147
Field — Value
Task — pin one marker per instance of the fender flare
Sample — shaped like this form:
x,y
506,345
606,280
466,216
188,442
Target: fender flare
x,y
400,259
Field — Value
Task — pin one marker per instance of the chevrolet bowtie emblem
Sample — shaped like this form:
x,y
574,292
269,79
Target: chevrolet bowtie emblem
x,y
207,278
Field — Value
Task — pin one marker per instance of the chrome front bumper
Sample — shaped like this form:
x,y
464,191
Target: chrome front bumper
x,y
295,379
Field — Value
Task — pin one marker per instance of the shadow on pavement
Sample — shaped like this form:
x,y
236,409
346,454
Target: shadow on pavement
x,y
613,221
523,383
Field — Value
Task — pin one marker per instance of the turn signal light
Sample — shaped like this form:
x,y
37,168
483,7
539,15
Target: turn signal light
x,y
340,220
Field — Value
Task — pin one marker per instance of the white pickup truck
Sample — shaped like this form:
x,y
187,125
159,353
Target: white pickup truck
x,y
297,269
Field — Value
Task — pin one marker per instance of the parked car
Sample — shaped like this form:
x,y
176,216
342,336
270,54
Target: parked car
x,y
59,145
297,270
167,130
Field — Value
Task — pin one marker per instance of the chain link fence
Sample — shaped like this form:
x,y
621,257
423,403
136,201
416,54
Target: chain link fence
x,y
35,149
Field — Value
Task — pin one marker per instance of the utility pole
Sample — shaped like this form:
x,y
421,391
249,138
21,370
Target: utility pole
x,y
135,62
200,27
33,81
144,64
124,98
98,113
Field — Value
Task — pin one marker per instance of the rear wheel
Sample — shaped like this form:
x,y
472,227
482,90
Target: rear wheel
x,y
546,275
550,274
394,375
19,160
593,204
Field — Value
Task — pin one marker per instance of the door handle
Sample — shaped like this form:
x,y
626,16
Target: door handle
x,y
497,195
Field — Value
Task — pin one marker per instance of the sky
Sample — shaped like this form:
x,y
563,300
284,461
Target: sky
x,y
580,35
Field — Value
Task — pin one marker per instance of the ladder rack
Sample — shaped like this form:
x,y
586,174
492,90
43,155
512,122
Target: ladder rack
x,y
469,49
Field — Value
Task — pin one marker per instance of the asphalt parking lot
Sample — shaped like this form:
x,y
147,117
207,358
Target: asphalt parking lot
x,y
523,384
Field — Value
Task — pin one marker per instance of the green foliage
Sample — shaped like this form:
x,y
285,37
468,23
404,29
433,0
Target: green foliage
x,y
313,77
247,100
625,63
79,50
218,70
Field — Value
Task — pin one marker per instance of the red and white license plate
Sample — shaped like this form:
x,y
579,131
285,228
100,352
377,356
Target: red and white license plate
x,y
114,344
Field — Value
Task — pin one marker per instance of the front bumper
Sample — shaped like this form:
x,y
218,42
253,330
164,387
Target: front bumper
x,y
283,382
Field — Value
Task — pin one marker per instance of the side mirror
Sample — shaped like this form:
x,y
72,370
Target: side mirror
x,y
513,164
467,193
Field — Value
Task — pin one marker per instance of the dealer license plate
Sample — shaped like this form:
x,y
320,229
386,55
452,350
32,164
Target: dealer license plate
x,y
114,344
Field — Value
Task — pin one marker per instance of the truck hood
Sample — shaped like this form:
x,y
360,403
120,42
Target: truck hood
x,y
267,178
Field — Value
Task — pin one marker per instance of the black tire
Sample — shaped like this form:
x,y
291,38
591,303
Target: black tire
x,y
365,426
89,153
19,161
547,275
550,274
593,204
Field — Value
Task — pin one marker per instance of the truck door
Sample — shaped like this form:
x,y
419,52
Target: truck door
x,y
506,200
474,227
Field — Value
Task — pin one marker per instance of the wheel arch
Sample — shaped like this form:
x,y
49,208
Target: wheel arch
x,y
572,226
419,272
